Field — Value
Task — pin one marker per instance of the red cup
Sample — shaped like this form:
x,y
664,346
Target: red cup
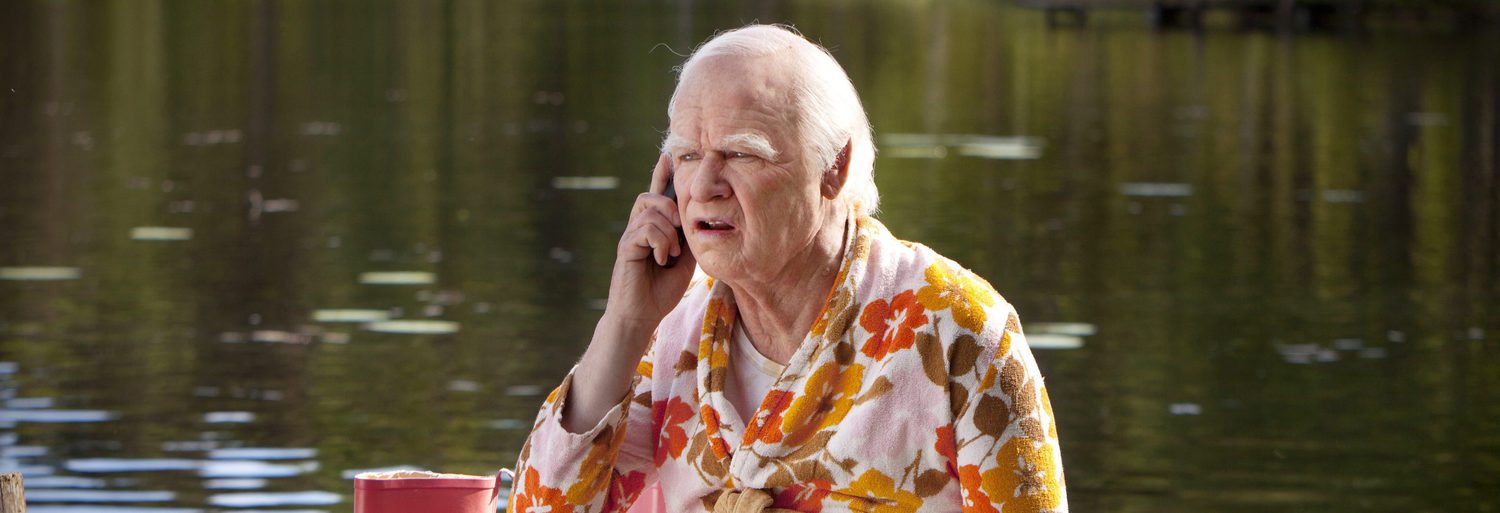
x,y
424,492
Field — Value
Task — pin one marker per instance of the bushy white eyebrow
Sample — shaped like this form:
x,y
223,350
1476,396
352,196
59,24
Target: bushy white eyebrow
x,y
748,142
755,143
676,143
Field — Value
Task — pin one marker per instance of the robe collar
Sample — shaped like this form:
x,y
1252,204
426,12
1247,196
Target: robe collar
x,y
721,422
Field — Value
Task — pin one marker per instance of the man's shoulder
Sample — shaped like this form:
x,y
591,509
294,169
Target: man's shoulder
x,y
911,262
964,302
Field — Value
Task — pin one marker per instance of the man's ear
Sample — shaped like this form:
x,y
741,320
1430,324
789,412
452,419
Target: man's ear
x,y
837,175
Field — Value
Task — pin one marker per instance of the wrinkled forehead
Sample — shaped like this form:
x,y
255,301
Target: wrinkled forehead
x,y
733,82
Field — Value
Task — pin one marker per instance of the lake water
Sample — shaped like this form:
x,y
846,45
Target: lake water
x,y
249,247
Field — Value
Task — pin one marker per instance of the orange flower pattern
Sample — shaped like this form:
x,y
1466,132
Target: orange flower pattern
x,y
767,424
624,490
535,498
974,497
711,425
803,496
673,438
947,446
892,325
910,347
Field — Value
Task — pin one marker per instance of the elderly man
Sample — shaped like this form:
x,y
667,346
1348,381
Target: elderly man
x,y
821,364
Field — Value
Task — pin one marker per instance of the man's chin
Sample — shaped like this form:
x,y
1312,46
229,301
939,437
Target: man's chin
x,y
719,268
709,265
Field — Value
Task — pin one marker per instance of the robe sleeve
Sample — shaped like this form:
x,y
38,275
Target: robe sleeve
x,y
601,470
1008,457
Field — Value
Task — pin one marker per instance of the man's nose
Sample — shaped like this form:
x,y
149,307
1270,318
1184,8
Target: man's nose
x,y
709,181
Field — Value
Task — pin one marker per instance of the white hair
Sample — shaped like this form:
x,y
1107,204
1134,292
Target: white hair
x,y
827,111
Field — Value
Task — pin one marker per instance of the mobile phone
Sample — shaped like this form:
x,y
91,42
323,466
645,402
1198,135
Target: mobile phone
x,y
671,192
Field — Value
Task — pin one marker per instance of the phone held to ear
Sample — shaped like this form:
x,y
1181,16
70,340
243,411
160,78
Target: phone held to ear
x,y
671,192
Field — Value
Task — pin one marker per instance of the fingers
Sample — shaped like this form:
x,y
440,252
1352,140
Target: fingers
x,y
663,226
655,202
650,234
661,245
655,241
660,173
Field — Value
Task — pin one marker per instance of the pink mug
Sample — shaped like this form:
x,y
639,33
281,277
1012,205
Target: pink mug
x,y
424,492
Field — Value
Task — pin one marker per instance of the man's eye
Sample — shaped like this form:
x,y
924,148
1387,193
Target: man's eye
x,y
739,155
689,156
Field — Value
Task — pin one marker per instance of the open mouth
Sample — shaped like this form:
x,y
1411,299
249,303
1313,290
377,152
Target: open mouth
x,y
714,226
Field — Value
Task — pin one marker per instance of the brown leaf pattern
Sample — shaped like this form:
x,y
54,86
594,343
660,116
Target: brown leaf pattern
x,y
991,416
931,482
686,362
933,366
963,355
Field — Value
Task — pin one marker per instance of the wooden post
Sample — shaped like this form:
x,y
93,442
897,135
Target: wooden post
x,y
12,494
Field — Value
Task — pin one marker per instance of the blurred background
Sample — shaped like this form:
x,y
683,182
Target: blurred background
x,y
248,248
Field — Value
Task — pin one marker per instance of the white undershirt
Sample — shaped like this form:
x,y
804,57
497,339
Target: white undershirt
x,y
751,375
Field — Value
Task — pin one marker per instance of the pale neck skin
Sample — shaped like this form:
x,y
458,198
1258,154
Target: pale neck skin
x,y
779,308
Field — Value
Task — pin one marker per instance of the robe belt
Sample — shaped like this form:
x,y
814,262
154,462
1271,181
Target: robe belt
x,y
747,501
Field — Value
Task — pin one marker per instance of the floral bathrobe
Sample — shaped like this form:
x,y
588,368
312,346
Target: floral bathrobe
x,y
914,391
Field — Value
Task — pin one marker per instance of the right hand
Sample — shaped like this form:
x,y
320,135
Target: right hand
x,y
641,290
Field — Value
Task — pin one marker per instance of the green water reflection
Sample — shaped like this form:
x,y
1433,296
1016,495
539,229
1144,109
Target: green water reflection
x,y
1288,247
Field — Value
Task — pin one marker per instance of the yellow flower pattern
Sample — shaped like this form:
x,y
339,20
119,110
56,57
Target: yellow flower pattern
x,y
1025,476
825,401
961,291
914,391
879,491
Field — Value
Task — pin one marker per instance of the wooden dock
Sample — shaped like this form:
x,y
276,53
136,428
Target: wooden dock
x,y
1270,14
12,493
